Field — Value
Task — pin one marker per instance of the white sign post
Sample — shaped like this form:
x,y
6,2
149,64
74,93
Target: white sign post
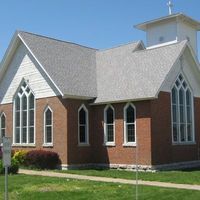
x,y
6,161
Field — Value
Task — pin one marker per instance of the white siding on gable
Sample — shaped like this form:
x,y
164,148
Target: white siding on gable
x,y
190,71
24,66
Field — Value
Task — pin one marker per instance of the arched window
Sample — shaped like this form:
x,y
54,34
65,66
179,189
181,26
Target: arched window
x,y
2,125
182,112
24,116
83,137
129,124
48,126
109,128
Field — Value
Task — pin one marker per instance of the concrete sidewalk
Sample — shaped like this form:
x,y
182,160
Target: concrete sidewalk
x,y
109,180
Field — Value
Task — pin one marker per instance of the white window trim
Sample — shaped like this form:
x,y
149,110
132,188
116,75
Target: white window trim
x,y
0,125
48,144
14,97
126,143
179,142
86,143
106,143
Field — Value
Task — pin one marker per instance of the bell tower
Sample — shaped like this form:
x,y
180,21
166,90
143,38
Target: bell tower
x,y
171,29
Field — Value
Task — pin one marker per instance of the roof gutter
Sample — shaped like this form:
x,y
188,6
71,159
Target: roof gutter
x,y
124,101
66,96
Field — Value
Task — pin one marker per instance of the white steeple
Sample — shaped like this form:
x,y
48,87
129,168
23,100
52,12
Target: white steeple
x,y
171,29
170,5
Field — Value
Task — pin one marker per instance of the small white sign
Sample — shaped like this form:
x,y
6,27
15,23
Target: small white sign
x,y
6,152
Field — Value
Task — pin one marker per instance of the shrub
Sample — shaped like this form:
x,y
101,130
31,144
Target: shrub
x,y
14,166
20,156
13,169
1,153
12,152
1,167
42,159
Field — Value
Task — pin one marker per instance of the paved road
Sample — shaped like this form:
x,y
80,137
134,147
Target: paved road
x,y
110,180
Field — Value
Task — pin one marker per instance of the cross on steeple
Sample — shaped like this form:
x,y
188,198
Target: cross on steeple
x,y
170,5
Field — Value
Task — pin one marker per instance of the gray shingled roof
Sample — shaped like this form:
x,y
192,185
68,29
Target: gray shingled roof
x,y
124,75
70,66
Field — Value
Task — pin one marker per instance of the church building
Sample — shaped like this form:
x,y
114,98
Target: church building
x,y
127,105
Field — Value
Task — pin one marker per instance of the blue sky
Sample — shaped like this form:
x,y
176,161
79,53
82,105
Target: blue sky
x,y
96,23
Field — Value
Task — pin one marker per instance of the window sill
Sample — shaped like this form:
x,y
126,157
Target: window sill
x,y
130,144
183,143
47,145
83,145
23,145
109,144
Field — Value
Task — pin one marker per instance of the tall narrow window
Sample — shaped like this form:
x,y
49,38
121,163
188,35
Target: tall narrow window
x,y
129,125
31,118
2,125
182,112
109,137
83,125
24,112
24,119
48,129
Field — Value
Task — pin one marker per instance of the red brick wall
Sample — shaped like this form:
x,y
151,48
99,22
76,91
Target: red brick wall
x,y
120,154
96,152
153,125
65,131
163,151
59,126
76,154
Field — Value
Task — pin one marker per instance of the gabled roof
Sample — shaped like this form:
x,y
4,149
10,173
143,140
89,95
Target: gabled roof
x,y
127,72
125,75
70,66
177,16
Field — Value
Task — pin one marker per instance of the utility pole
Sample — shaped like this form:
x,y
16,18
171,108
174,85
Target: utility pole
x,y
136,167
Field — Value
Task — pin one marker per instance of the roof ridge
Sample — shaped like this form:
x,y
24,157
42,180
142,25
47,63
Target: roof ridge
x,y
158,47
120,45
58,40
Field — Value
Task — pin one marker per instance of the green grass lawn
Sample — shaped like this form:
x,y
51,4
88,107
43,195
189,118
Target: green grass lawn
x,y
23,187
184,177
